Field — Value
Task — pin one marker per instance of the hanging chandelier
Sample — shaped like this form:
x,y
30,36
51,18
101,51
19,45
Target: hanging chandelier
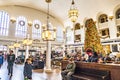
x,y
11,47
73,12
16,45
27,41
48,34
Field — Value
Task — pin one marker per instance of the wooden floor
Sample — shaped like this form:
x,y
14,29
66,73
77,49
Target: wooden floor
x,y
37,74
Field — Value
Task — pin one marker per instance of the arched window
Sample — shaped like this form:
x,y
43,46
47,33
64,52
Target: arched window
x,y
21,27
59,34
118,14
103,18
36,29
4,23
77,26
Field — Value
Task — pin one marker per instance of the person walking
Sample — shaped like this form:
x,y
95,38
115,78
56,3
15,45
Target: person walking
x,y
10,60
1,59
28,70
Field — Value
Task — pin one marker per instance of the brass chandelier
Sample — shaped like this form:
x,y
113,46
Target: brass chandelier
x,y
73,12
48,34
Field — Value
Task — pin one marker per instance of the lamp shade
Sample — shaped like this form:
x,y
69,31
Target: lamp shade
x,y
16,45
27,41
48,35
73,14
11,47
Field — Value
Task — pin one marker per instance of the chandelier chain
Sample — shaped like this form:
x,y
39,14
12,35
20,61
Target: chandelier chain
x,y
48,17
73,2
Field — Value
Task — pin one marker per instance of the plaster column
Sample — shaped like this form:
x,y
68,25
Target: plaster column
x,y
112,29
63,54
81,50
118,46
16,52
7,50
27,52
63,50
48,57
111,47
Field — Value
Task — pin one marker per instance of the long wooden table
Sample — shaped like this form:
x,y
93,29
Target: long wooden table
x,y
113,68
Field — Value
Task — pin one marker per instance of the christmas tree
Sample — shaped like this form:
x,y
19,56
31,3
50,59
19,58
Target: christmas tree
x,y
92,39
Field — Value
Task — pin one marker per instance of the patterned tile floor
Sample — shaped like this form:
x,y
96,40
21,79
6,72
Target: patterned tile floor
x,y
37,74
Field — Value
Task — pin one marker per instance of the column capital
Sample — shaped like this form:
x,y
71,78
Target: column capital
x,y
48,70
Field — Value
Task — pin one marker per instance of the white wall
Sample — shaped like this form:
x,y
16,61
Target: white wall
x,y
30,14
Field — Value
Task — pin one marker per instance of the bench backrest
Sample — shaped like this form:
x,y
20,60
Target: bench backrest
x,y
93,72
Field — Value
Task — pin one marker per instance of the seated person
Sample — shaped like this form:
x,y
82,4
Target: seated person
x,y
66,74
107,59
94,57
100,60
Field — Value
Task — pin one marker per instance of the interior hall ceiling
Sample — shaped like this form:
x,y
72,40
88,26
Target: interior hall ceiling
x,y
59,8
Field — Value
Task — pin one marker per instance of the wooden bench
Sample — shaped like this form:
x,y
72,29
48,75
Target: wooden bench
x,y
38,65
90,74
113,68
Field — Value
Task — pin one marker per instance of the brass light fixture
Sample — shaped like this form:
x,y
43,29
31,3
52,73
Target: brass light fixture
x,y
13,20
30,23
73,12
27,41
48,34
16,45
111,17
11,47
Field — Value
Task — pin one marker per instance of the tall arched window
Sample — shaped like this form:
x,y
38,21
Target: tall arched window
x,y
118,14
103,18
59,34
4,23
36,29
21,27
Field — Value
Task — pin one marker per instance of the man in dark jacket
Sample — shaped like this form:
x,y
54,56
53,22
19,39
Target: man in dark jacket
x,y
10,60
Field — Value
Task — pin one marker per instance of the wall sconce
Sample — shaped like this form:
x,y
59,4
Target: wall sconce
x,y
29,23
54,28
13,20
95,22
72,29
110,17
44,26
81,26
64,30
